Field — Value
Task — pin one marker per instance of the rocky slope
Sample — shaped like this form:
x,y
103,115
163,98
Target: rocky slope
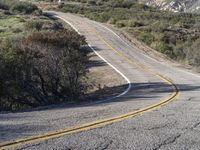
x,y
175,5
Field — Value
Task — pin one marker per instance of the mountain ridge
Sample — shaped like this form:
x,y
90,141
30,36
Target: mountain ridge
x,y
175,5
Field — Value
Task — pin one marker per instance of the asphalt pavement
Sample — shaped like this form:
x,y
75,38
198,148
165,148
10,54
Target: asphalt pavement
x,y
175,125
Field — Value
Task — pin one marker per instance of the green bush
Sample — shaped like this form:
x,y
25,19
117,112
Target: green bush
x,y
3,5
91,2
23,7
34,25
160,46
121,23
41,69
17,30
16,6
193,54
133,23
112,20
163,48
179,52
7,4
145,37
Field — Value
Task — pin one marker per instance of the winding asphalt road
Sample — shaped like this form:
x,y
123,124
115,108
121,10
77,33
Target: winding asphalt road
x,y
175,125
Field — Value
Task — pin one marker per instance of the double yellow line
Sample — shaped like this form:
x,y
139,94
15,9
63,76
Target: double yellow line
x,y
100,123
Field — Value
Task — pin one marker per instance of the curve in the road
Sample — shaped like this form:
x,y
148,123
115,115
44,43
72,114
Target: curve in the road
x,y
99,123
119,72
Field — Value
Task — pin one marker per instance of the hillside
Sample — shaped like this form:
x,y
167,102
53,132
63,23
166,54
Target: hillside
x,y
174,5
176,35
195,7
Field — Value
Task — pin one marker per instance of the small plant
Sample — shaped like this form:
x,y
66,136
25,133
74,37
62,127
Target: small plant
x,y
91,2
57,26
16,30
34,25
22,20
112,20
145,37
133,23
121,23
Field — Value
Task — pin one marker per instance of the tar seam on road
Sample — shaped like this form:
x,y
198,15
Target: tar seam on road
x,y
99,123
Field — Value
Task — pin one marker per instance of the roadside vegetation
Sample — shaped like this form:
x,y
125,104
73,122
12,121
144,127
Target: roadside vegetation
x,y
41,62
176,35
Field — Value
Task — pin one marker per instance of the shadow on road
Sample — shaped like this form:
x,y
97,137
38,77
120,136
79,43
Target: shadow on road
x,y
13,131
139,91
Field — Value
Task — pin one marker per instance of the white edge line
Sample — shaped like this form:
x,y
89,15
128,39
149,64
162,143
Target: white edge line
x,y
185,71
128,81
119,72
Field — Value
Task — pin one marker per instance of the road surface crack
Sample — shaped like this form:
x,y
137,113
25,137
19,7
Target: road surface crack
x,y
162,125
196,125
169,140
107,145
158,127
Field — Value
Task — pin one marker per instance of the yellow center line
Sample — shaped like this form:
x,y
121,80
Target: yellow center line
x,y
99,123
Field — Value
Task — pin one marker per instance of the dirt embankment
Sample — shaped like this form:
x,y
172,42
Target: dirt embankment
x,y
131,40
